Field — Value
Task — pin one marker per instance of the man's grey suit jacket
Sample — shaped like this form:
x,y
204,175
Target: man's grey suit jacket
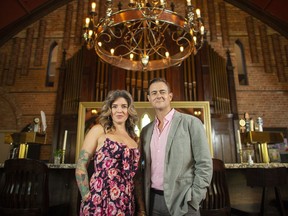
x,y
188,163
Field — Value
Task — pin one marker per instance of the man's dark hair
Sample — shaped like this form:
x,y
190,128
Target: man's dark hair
x,y
155,80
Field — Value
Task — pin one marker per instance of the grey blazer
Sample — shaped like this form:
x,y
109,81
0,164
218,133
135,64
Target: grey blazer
x,y
188,164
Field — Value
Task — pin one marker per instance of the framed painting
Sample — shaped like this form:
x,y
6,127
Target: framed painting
x,y
89,112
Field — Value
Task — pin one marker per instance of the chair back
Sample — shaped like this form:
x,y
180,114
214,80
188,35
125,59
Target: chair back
x,y
25,188
217,201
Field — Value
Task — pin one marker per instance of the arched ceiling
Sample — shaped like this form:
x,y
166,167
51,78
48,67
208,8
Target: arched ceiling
x,y
17,14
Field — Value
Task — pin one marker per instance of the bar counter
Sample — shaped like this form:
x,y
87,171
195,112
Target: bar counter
x,y
54,166
248,199
63,188
227,165
255,165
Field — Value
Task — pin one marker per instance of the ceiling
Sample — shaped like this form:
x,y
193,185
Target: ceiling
x,y
272,12
17,14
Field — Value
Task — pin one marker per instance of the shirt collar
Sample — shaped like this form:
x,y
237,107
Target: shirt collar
x,y
168,117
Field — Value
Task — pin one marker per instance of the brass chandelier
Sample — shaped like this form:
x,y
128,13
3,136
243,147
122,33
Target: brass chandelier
x,y
145,35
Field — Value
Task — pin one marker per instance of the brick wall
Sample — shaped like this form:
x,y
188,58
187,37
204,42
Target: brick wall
x,y
22,97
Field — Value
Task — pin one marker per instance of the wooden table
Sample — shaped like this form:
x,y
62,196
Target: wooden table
x,y
260,177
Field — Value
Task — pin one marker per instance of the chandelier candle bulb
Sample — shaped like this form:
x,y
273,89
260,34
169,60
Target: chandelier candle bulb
x,y
93,7
87,21
198,13
188,2
195,39
202,30
167,54
112,51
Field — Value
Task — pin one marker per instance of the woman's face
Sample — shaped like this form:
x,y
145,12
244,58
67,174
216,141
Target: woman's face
x,y
119,111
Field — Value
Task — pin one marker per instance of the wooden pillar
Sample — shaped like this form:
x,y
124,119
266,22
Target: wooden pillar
x,y
119,78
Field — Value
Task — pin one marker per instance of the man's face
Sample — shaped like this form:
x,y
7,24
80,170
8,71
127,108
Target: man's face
x,y
159,95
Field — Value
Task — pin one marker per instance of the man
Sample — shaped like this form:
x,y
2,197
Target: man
x,y
176,158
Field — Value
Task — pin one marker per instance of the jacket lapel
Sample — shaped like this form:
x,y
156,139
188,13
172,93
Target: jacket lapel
x,y
173,128
148,137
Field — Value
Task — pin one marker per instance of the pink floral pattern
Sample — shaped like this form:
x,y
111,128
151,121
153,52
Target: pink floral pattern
x,y
112,188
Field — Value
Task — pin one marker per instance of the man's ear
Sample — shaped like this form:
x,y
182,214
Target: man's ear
x,y
148,97
171,96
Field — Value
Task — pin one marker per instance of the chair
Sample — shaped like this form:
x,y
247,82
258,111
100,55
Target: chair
x,y
25,188
217,201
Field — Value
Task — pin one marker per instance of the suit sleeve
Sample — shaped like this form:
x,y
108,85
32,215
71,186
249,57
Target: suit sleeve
x,y
203,162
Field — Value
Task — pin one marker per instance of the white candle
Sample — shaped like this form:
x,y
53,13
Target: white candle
x,y
65,140
189,2
239,140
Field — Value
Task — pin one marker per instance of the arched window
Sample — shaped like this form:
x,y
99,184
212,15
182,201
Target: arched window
x,y
145,120
241,63
51,66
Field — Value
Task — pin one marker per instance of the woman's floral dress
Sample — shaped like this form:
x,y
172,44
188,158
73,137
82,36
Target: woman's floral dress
x,y
111,184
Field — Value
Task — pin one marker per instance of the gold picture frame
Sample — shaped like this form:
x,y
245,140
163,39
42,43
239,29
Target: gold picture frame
x,y
88,111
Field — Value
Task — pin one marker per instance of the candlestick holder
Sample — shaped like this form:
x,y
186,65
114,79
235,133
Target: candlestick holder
x,y
241,155
63,156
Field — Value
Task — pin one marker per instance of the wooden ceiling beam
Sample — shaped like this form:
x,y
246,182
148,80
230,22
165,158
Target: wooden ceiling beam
x,y
261,14
12,29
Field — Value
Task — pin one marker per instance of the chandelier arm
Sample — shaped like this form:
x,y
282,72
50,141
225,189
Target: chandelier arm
x,y
158,43
134,40
106,37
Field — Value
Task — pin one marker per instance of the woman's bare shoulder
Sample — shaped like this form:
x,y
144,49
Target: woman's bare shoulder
x,y
97,128
95,132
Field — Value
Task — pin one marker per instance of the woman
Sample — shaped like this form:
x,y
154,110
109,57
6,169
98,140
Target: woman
x,y
112,145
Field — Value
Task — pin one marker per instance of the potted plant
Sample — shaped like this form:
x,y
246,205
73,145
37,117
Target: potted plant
x,y
57,156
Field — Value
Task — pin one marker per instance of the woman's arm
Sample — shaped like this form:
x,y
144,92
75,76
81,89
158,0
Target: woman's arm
x,y
87,151
82,174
